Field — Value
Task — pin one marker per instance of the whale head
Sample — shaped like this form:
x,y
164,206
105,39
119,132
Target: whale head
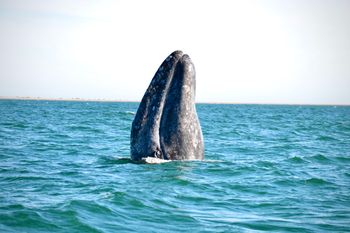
x,y
166,125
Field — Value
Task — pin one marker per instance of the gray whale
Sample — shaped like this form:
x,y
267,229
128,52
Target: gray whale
x,y
166,124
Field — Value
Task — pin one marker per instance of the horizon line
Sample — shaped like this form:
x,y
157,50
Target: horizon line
x,y
77,99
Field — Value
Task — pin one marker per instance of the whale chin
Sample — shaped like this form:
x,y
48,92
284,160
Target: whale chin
x,y
166,124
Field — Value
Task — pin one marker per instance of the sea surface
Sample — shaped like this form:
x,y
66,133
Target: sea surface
x,y
64,167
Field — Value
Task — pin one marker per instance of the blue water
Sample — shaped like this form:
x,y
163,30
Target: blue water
x,y
64,167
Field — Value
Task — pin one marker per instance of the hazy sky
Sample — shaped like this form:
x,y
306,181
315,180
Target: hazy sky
x,y
243,51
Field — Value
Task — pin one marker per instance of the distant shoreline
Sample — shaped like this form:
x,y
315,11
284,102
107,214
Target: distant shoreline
x,y
63,99
135,101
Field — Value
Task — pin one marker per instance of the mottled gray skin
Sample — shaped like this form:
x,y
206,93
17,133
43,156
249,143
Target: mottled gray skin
x,y
166,125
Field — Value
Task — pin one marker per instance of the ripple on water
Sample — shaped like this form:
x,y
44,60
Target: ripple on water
x,y
297,160
343,158
319,158
18,218
317,181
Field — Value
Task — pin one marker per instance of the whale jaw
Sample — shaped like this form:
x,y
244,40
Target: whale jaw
x,y
166,125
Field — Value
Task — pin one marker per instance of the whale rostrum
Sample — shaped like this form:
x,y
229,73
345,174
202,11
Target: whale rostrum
x,y
166,124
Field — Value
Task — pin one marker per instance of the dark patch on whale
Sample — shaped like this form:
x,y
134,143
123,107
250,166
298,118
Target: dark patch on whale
x,y
166,124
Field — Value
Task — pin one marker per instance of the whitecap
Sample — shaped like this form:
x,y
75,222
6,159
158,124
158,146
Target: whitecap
x,y
154,160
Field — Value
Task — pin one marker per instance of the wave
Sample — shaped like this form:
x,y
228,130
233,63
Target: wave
x,y
106,160
130,112
127,112
316,181
320,158
326,138
343,158
296,159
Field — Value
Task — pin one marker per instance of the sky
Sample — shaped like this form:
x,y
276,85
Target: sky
x,y
249,51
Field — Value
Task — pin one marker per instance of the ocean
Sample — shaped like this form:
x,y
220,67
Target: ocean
x,y
65,167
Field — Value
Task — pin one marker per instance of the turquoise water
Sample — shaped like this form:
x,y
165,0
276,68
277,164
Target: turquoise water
x,y
64,167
